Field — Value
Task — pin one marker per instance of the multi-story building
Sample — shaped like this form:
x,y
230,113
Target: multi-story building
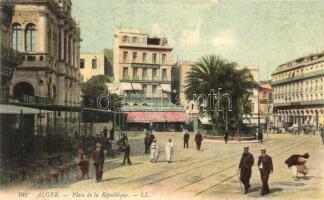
x,y
9,58
266,103
254,119
142,63
49,39
299,91
92,64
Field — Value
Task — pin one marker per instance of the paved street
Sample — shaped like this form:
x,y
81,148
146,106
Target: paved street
x,y
210,172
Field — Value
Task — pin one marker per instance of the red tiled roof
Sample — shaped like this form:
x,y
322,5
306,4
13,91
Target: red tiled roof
x,y
156,117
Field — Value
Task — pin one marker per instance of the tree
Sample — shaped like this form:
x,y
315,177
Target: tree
x,y
93,88
213,72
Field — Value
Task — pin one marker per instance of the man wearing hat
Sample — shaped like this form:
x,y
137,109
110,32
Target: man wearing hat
x,y
265,167
98,161
245,167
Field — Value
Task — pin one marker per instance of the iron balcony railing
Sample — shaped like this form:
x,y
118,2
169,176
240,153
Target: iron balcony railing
x,y
11,55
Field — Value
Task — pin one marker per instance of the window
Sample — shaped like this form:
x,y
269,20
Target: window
x,y
144,58
144,74
154,58
134,57
154,74
134,40
154,90
164,75
81,63
135,77
94,63
125,39
125,56
145,89
17,37
163,59
125,73
30,37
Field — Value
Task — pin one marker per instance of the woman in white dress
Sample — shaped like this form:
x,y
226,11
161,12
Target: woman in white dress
x,y
169,150
154,151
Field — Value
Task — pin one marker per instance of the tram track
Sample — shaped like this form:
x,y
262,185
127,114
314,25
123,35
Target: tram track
x,y
235,174
233,153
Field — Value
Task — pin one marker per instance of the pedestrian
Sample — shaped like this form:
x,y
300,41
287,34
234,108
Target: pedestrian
x,y
260,136
112,134
322,133
186,137
126,149
265,167
226,137
245,167
147,141
198,139
296,164
154,151
169,150
152,137
83,164
105,132
98,161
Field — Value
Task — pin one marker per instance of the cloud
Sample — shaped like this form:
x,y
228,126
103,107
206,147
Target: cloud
x,y
191,37
225,40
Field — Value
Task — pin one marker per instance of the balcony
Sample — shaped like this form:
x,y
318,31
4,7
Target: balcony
x,y
145,65
301,103
300,77
11,55
36,60
37,100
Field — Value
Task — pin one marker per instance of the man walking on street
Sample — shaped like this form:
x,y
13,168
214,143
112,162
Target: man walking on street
x,y
198,139
226,137
322,133
245,167
98,161
147,140
186,137
105,132
260,136
265,167
126,148
169,150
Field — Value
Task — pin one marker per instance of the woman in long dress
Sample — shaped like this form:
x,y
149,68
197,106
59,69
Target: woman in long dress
x,y
169,150
154,151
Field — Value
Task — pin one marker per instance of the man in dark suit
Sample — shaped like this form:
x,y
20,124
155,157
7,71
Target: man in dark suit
x,y
265,167
126,149
198,139
98,161
105,132
147,141
186,137
245,167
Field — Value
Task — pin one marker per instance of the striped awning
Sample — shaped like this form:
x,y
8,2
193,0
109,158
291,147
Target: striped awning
x,y
147,117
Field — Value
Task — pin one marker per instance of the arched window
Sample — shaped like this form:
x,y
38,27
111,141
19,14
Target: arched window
x,y
30,37
17,37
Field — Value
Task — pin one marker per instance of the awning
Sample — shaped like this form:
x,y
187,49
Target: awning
x,y
12,109
136,86
166,87
148,117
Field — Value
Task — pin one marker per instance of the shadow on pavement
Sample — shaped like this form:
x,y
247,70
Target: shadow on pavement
x,y
286,183
274,190
111,179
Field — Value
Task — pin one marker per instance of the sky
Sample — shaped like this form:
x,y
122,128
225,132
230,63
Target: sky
x,y
262,33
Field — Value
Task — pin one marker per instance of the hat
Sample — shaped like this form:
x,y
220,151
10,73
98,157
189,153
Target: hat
x,y
246,148
98,145
263,150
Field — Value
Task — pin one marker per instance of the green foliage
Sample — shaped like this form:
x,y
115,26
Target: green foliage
x,y
213,72
95,86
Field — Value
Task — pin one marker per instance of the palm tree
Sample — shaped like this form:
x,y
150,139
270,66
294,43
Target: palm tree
x,y
213,72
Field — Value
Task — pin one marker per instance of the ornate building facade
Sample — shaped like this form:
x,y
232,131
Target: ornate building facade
x,y
49,39
299,91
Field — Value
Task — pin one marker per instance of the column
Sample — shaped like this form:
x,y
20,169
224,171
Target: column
x,y
61,90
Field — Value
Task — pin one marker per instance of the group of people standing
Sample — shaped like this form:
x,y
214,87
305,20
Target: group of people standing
x,y
198,139
151,146
296,163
